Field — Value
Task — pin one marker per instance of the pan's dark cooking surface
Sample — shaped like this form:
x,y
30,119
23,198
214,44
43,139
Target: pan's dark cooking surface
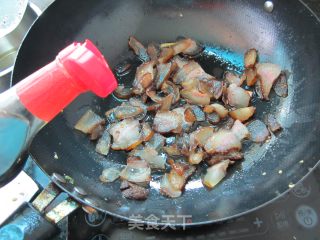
x,y
289,36
295,215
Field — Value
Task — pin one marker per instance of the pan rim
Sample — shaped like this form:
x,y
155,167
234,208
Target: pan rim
x,y
80,200
184,225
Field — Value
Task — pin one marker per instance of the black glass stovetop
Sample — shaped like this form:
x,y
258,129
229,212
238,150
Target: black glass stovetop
x,y
296,216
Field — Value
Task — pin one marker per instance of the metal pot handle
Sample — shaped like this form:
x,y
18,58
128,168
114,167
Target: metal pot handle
x,y
36,220
29,224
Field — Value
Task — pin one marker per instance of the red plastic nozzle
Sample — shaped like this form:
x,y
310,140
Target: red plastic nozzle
x,y
78,68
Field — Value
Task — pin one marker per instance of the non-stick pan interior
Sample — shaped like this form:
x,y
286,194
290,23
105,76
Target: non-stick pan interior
x,y
289,36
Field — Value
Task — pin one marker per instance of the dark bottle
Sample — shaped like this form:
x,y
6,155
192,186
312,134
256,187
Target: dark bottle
x,y
37,99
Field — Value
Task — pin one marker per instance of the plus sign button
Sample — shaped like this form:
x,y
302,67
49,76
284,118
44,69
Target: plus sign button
x,y
258,222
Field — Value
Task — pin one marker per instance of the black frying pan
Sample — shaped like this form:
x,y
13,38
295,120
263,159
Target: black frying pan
x,y
289,36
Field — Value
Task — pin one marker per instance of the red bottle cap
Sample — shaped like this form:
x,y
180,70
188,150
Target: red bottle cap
x,y
78,68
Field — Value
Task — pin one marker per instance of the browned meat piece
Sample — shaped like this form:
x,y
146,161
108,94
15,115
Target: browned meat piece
x,y
232,78
153,51
165,55
157,141
211,87
272,123
163,73
240,130
237,96
233,155
179,61
222,142
193,96
183,45
213,118
137,171
258,131
217,89
199,114
137,102
138,49
172,183
123,68
216,173
281,86
104,143
127,111
189,115
228,123
191,70
250,58
151,156
170,88
147,132
166,103
88,122
268,74
144,77
153,107
97,132
200,137
109,175
183,143
196,157
172,150
193,49
218,108
169,121
251,76
187,46
123,92
124,185
242,114
185,124
144,97
133,191
154,96
126,134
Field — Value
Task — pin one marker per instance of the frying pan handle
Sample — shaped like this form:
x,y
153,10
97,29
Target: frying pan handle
x,y
32,221
28,225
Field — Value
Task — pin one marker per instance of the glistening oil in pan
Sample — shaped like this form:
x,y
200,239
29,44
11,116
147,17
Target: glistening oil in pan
x,y
215,57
